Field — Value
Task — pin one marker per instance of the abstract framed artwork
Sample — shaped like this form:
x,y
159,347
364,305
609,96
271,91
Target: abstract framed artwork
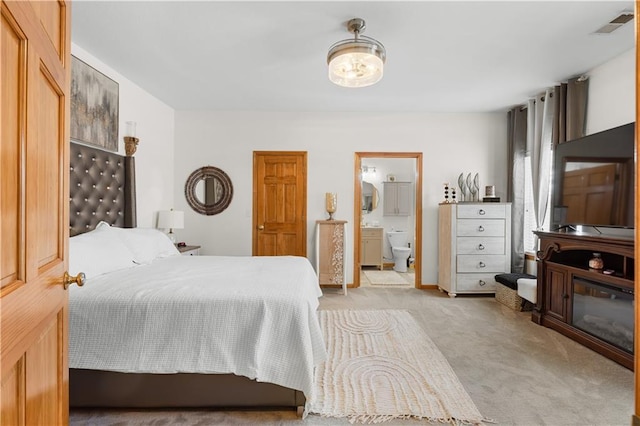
x,y
94,107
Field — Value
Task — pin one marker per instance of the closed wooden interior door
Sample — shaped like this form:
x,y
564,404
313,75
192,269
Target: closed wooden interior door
x,y
279,203
34,194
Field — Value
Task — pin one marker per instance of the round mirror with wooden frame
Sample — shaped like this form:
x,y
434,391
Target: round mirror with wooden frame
x,y
208,190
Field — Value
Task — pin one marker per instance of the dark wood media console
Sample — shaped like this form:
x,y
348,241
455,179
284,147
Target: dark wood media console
x,y
587,305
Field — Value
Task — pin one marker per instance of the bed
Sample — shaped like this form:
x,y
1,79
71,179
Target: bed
x,y
152,328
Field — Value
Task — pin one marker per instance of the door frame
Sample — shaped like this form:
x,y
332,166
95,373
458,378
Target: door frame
x,y
357,210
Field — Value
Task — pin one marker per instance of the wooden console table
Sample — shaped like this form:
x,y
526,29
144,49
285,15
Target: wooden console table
x,y
565,282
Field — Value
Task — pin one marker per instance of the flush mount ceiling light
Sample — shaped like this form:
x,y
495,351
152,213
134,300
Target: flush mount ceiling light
x,y
356,62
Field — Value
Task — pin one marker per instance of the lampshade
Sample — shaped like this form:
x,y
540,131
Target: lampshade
x,y
171,219
357,62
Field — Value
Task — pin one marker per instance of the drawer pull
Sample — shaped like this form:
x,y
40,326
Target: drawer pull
x,y
481,282
481,212
481,264
480,247
480,228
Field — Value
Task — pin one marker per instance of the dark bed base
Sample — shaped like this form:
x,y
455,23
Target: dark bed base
x,y
95,388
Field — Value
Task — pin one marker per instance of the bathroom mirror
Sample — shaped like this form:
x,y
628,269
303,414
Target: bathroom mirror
x,y
208,190
370,197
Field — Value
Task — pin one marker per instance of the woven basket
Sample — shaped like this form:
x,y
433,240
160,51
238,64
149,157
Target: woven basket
x,y
508,297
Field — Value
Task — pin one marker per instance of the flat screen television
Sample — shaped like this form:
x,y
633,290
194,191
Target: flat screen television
x,y
593,181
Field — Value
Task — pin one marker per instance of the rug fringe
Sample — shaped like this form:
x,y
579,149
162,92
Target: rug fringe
x,y
381,418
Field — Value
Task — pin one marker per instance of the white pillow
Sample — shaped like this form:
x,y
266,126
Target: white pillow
x,y
98,252
146,244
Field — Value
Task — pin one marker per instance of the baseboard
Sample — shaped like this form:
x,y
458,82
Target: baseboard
x,y
428,287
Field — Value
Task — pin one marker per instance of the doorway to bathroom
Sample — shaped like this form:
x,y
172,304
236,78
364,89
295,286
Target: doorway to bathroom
x,y
388,207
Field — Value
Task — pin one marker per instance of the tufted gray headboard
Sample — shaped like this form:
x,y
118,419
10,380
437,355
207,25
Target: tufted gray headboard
x,y
101,187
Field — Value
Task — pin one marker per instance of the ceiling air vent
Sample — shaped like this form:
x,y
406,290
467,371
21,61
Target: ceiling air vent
x,y
616,23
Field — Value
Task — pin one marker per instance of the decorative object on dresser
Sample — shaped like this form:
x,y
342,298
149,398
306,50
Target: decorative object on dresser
x,y
171,219
446,193
186,250
331,203
583,303
474,244
208,190
463,187
490,195
94,107
330,253
371,243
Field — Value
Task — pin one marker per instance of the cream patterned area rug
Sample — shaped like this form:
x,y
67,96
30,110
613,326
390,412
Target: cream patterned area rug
x,y
382,366
385,278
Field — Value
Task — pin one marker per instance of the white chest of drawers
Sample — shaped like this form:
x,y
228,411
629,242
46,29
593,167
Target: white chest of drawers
x,y
474,244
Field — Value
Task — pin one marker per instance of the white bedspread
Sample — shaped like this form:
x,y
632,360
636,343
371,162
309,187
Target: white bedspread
x,y
251,316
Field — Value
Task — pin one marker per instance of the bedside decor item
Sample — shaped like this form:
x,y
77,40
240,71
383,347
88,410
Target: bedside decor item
x,y
171,219
357,62
391,178
94,107
331,203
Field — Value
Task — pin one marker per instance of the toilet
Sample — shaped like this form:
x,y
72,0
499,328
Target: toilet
x,y
398,241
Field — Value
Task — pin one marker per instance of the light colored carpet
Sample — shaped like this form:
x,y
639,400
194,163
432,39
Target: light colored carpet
x,y
383,366
385,278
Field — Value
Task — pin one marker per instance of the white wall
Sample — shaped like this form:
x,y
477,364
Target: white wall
x,y
450,143
612,93
155,129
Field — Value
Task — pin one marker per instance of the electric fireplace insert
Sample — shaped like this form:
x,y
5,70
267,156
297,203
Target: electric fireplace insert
x,y
604,311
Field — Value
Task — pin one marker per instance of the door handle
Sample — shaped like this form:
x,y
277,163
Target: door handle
x,y
261,227
79,279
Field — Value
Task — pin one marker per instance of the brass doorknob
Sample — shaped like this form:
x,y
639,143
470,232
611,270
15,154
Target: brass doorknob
x,y
261,227
79,279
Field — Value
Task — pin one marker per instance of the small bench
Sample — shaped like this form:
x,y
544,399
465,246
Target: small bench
x,y
508,289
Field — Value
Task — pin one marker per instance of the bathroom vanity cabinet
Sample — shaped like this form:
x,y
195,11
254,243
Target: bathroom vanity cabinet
x,y
397,198
474,244
371,243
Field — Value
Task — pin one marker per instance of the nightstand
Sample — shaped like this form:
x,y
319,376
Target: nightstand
x,y
189,250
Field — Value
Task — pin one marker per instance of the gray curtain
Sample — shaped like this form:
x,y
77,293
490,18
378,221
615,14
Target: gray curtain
x,y
570,110
517,145
540,123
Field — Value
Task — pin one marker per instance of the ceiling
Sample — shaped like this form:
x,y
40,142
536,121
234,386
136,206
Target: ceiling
x,y
446,56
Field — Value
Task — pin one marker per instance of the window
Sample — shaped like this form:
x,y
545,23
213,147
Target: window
x,y
529,240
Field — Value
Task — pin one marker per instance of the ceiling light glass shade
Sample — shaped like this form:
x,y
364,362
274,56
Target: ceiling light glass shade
x,y
356,63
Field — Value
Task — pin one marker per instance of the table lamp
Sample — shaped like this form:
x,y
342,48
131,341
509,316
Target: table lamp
x,y
171,219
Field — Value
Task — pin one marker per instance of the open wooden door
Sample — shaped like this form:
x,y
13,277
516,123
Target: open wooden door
x,y
279,203
34,197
